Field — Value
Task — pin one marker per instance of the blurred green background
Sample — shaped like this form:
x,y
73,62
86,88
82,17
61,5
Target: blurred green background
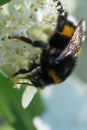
x,y
12,111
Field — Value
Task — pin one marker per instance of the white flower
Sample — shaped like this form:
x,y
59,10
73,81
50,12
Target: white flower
x,y
40,125
31,18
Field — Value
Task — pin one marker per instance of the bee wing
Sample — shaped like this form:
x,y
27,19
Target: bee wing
x,y
28,95
74,43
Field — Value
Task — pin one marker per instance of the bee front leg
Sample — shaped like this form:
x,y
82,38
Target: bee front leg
x,y
24,71
36,43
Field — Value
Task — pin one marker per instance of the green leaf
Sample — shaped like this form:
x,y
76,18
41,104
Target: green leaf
x,y
10,106
2,2
6,127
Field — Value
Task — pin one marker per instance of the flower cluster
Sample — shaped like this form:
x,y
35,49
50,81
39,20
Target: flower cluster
x,y
35,19
29,18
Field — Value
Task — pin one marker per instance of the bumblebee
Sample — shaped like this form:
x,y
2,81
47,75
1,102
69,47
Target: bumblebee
x,y
59,56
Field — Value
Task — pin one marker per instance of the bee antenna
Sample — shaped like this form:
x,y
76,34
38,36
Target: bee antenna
x,y
60,9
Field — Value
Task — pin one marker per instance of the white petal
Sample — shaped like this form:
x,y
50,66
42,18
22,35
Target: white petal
x,y
40,125
28,95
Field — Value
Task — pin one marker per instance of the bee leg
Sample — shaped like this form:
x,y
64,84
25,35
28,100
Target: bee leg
x,y
29,41
60,8
24,71
21,71
22,38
